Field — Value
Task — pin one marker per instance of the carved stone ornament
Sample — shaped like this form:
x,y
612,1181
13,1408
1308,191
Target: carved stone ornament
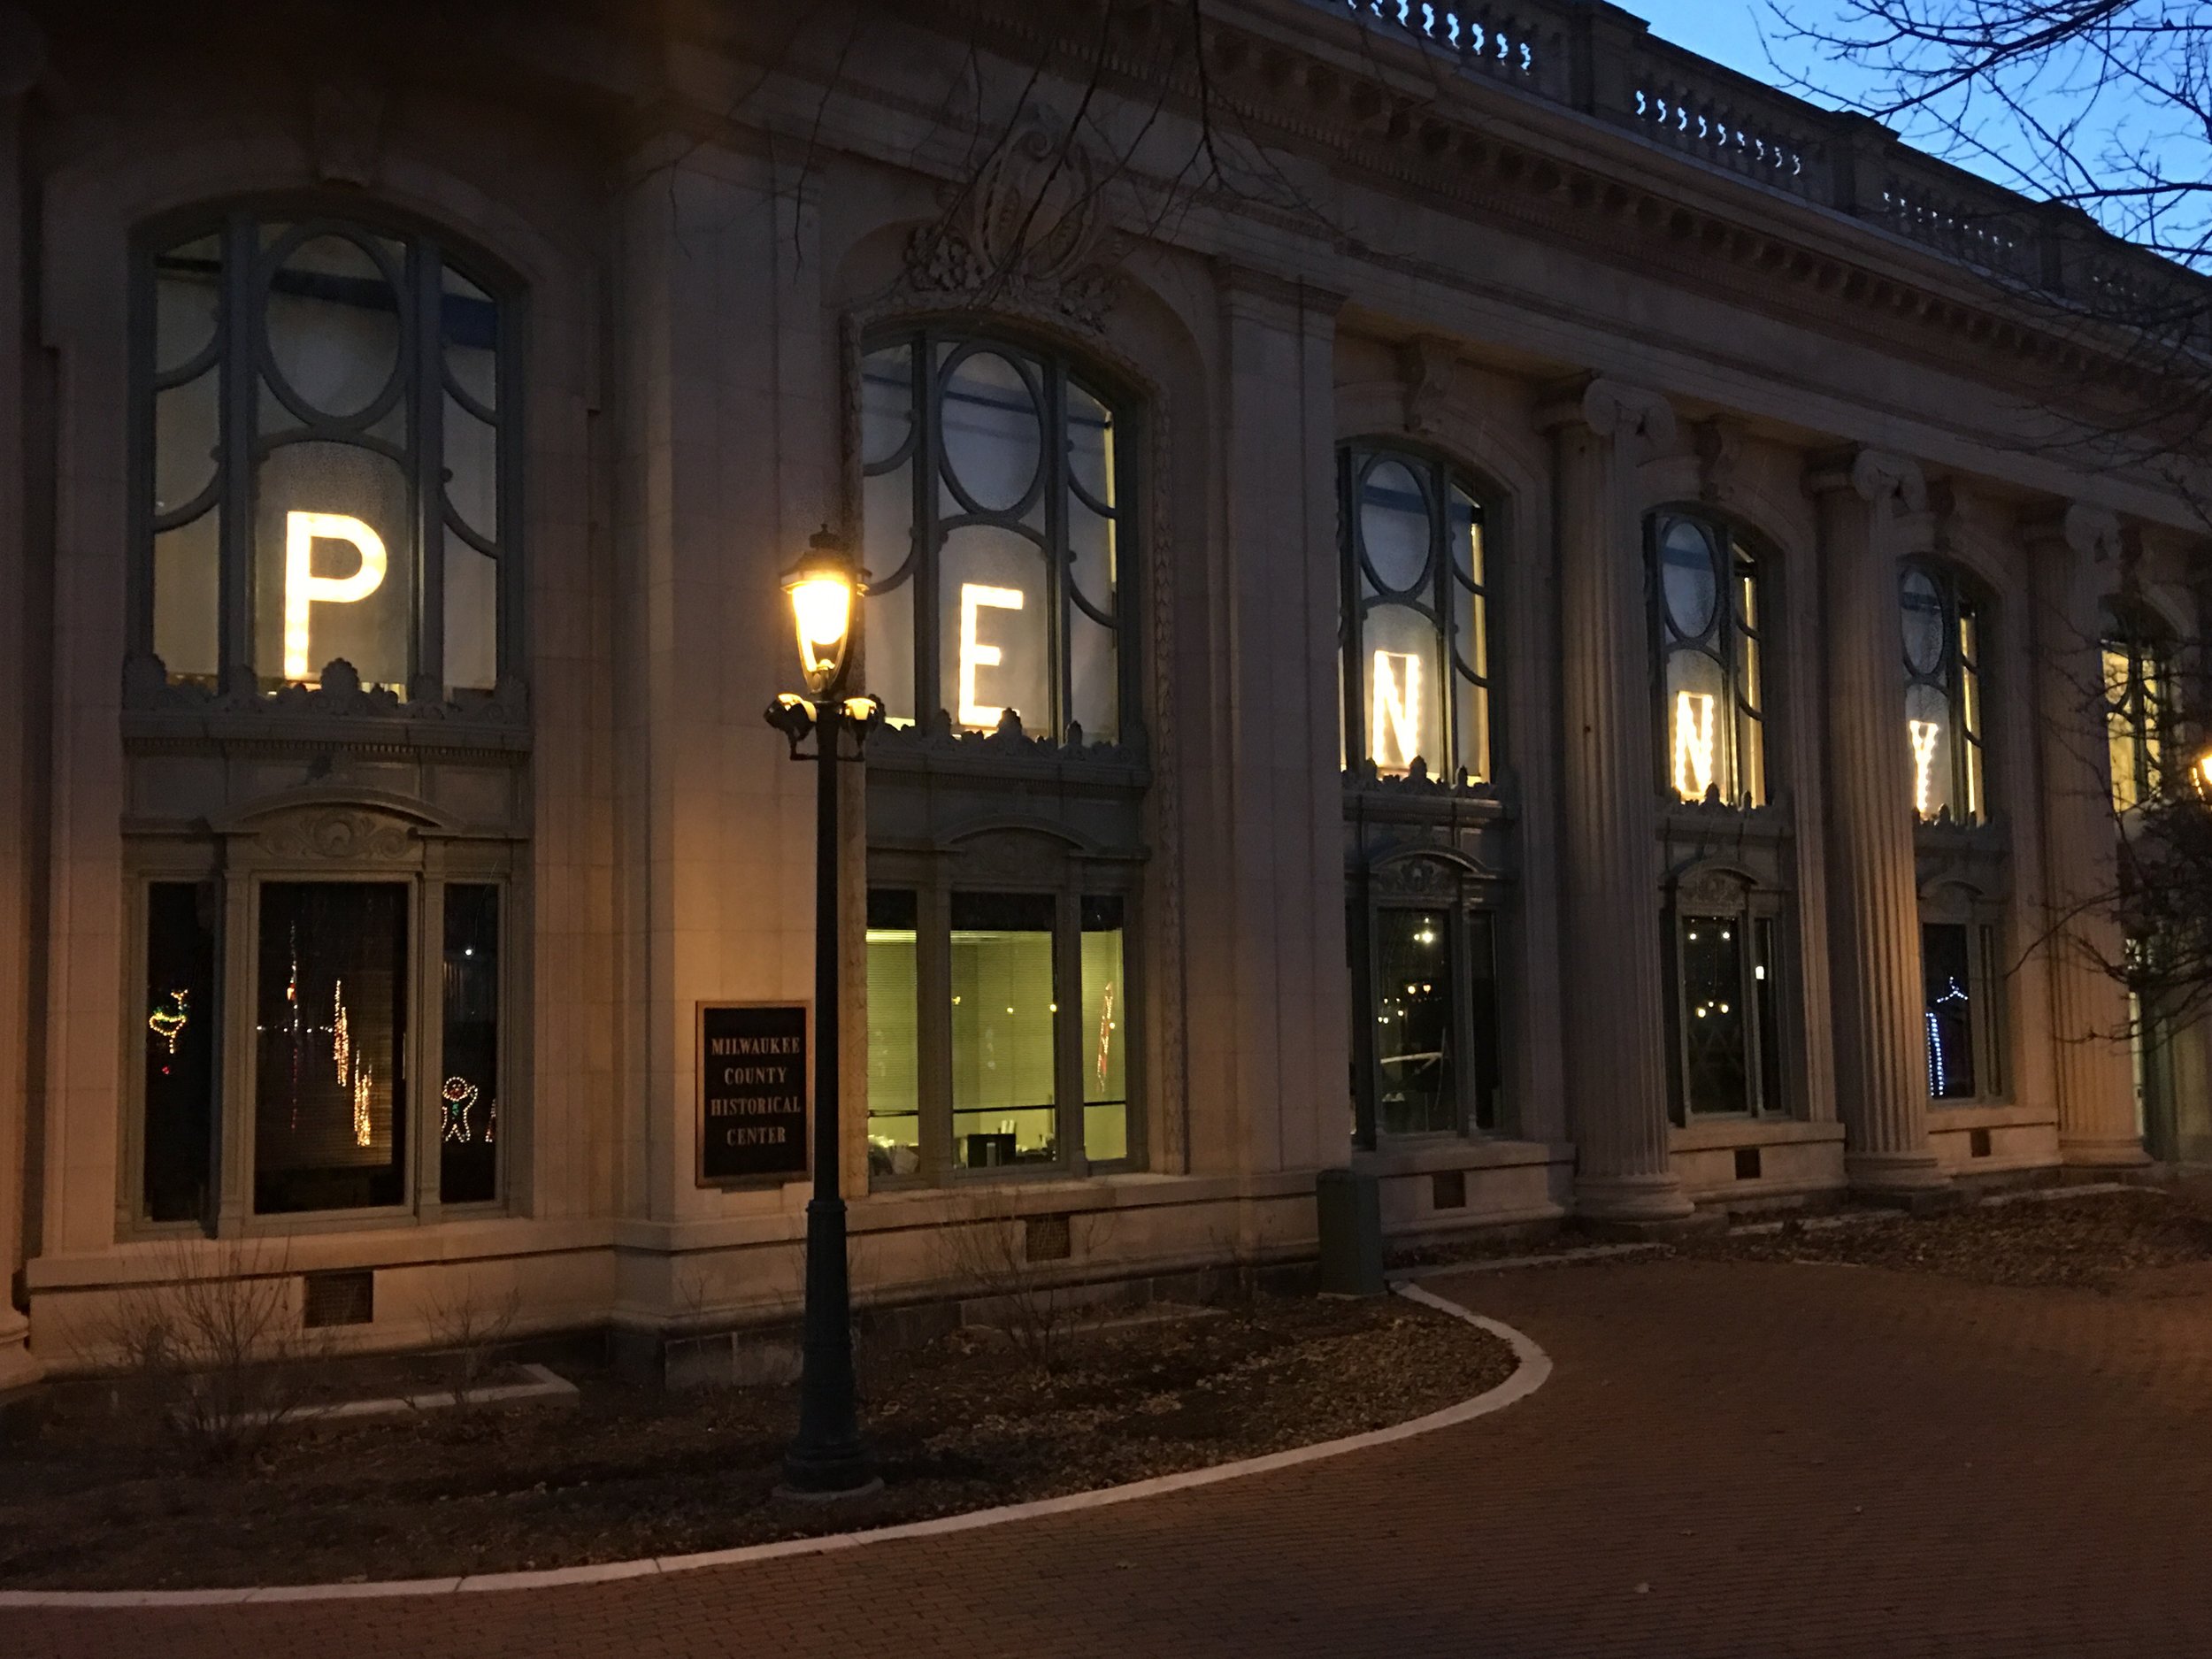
x,y
340,834
1711,888
1879,477
1426,365
1641,420
934,735
1366,777
340,694
347,133
2092,531
1027,233
1419,877
1719,456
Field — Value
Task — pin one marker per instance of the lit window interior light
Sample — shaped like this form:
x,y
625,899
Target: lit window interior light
x,y
1105,1032
975,653
303,589
1924,735
1693,736
1396,711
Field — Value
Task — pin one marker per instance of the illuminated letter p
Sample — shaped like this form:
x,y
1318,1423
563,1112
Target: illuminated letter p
x,y
303,587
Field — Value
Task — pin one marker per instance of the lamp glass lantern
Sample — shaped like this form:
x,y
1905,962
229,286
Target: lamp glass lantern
x,y
824,586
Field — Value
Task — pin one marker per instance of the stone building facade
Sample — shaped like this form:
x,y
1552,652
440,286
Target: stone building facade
x,y
1462,591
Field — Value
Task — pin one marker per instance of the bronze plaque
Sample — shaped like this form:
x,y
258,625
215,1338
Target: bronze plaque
x,y
752,1091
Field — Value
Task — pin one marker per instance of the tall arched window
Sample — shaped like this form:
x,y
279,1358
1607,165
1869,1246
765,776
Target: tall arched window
x,y
1943,627
1416,614
2139,701
325,436
994,476
1708,617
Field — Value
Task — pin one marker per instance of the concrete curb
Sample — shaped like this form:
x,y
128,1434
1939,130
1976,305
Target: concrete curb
x,y
1532,1372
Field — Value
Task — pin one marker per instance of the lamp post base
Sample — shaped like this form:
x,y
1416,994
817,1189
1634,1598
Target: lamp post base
x,y
789,1490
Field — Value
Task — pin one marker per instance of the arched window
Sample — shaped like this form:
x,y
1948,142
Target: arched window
x,y
2139,701
1709,622
325,438
995,479
1414,614
1943,629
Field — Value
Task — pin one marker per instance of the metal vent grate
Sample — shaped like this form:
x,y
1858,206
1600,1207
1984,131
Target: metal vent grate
x,y
339,1299
1046,1239
1977,1143
1748,1163
1447,1189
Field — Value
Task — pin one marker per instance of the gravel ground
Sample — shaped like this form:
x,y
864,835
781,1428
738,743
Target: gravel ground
x,y
100,1500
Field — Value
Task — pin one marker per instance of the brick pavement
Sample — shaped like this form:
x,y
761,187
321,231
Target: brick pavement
x,y
1731,1460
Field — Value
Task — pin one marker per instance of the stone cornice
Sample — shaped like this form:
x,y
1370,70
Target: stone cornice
x,y
1386,109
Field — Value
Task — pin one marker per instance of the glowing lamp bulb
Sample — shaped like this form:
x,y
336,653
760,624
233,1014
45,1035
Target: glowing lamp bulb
x,y
822,587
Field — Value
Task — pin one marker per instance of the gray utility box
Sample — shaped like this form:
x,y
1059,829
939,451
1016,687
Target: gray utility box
x,y
1351,1203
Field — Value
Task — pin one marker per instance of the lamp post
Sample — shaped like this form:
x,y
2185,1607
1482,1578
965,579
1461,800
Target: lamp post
x,y
827,1459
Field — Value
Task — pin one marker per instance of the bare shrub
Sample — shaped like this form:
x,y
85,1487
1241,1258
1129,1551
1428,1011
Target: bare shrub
x,y
219,1344
989,1259
468,1328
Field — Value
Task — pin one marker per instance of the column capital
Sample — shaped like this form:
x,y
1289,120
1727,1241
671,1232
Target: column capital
x,y
1611,408
2089,532
1878,477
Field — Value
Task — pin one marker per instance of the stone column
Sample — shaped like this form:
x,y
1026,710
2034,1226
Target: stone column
x,y
20,61
1873,894
1612,1000
2075,562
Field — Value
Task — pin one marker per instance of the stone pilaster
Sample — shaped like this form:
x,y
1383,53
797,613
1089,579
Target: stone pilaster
x,y
1614,1002
1873,895
2075,564
20,59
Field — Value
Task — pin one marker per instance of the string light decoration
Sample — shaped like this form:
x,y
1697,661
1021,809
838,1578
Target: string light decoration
x,y
460,1095
168,1023
363,1133
340,1033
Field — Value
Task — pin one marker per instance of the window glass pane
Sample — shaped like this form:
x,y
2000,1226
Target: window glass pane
x,y
1947,982
1488,1059
2152,725
1395,530
468,1140
1928,730
895,1136
1415,1082
886,513
887,404
330,1119
1766,991
1686,578
471,469
471,618
991,435
1715,1023
1104,1027
333,326
188,599
185,441
1402,686
1991,971
1923,624
1004,1003
187,302
1094,684
1091,448
997,629
469,320
334,565
1698,728
180,1031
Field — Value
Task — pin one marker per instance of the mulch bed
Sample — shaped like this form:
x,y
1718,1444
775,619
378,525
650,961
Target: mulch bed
x,y
106,1499
2096,1241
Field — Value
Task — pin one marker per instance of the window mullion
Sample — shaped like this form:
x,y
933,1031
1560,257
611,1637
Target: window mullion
x,y
1067,1027
240,371
422,334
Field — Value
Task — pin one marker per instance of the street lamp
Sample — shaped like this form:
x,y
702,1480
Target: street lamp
x,y
827,1459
